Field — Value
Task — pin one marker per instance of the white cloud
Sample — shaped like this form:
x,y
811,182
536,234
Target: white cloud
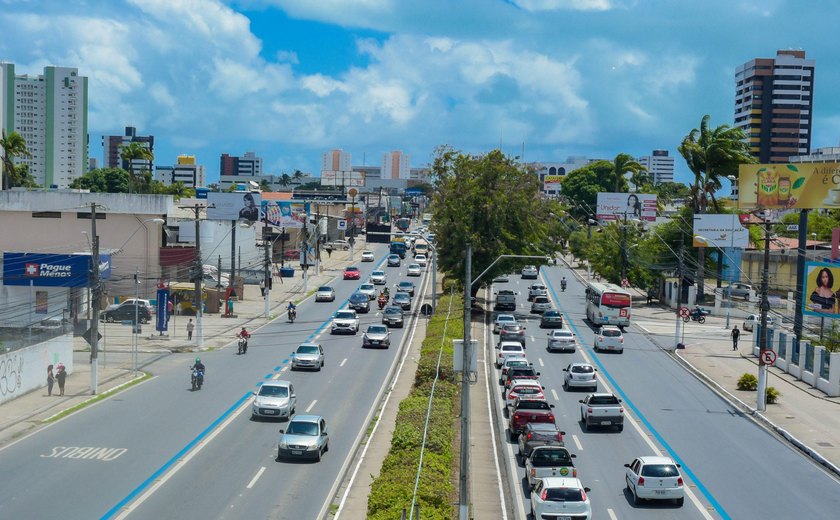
x,y
556,5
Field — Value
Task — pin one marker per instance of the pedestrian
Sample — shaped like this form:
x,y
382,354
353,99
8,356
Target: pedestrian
x,y
190,327
329,251
50,379
736,333
262,288
60,376
649,295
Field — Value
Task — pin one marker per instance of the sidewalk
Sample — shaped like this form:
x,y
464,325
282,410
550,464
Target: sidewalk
x,y
27,412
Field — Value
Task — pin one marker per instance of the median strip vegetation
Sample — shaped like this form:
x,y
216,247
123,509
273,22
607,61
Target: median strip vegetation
x,y
391,492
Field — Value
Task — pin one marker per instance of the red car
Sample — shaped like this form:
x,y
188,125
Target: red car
x,y
292,254
526,411
352,273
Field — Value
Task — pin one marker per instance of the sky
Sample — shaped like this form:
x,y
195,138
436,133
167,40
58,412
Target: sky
x,y
291,79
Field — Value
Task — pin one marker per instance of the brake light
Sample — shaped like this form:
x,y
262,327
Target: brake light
x,y
560,437
600,338
531,436
589,410
622,340
516,416
534,474
641,481
582,492
574,474
544,494
551,416
621,410
679,482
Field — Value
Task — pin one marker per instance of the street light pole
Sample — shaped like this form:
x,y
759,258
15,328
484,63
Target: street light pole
x,y
136,318
267,278
765,307
464,503
96,294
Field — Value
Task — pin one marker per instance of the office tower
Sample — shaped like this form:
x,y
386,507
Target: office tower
x,y
336,161
659,165
112,146
248,165
774,104
395,165
186,171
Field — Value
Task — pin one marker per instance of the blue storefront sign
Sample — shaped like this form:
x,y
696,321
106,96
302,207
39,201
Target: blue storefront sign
x,y
162,314
51,270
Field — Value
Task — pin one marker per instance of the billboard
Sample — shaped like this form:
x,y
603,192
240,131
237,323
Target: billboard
x,y
721,231
617,206
342,178
234,206
552,182
784,186
285,213
50,270
822,281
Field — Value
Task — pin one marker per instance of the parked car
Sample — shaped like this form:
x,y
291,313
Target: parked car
x,y
505,301
402,299
739,290
414,270
540,304
340,244
369,290
654,478
561,339
359,302
325,293
392,316
406,286
422,260
526,411
580,375
345,321
308,355
131,301
551,319
549,461
539,434
560,498
367,256
274,399
376,336
502,319
393,260
536,289
352,273
610,338
291,254
509,349
378,278
529,272
127,313
306,436
512,332
751,320
601,410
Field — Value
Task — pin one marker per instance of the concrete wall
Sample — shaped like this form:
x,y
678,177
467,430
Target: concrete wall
x,y
24,370
799,366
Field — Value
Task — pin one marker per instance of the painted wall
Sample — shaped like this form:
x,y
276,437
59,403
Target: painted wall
x,y
25,370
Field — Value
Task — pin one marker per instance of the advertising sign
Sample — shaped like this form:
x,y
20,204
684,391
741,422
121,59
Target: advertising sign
x,y
720,231
234,206
41,302
552,182
284,213
162,310
342,178
50,270
617,206
821,298
783,186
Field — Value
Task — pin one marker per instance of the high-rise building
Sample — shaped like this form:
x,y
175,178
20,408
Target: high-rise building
x,y
112,145
659,165
186,171
335,161
395,165
248,165
50,112
774,102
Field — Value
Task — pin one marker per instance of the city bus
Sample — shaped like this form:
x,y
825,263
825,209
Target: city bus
x,y
607,304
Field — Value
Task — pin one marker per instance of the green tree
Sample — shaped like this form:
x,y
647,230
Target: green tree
x,y
297,176
104,180
285,180
136,151
669,191
264,185
491,202
580,187
13,146
625,163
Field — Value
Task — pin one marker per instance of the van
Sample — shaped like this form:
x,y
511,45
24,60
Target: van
x,y
505,300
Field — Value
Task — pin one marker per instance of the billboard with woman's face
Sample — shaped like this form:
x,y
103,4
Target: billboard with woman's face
x,y
618,206
822,290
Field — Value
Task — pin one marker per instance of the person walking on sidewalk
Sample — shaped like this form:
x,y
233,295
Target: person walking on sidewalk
x,y
736,333
50,379
60,376
262,288
190,328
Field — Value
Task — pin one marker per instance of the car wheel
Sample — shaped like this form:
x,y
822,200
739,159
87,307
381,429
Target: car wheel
x,y
680,501
636,499
109,319
326,447
318,456
621,351
620,428
565,386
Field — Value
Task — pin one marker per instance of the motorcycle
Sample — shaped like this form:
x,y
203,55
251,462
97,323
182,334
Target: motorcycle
x,y
382,302
698,316
292,315
197,379
243,346
563,286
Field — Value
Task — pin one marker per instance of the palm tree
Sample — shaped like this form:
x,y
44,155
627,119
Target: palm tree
x,y
13,145
297,176
285,180
624,163
134,151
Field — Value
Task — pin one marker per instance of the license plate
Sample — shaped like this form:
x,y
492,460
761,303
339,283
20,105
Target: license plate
x,y
270,412
297,452
660,492
564,518
605,423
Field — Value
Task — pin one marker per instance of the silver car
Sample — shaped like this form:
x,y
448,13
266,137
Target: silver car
x,y
540,305
502,320
325,294
529,271
414,270
274,399
306,436
308,355
535,290
345,321
376,336
378,278
580,375
562,340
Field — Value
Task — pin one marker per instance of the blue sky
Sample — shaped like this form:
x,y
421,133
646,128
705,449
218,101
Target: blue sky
x,y
290,79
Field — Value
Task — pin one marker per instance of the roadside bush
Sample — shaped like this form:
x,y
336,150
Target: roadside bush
x,y
747,382
772,395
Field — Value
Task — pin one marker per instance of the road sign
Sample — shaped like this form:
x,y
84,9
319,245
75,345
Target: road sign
x,y
342,224
353,192
769,357
87,337
625,283
792,227
684,312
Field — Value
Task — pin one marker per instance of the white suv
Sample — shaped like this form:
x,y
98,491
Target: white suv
x,y
609,338
345,321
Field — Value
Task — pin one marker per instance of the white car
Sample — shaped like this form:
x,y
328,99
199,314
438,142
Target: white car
x,y
753,319
502,320
367,256
369,290
609,338
325,294
654,478
509,349
562,340
580,375
422,260
526,388
378,278
274,399
345,321
560,497
414,270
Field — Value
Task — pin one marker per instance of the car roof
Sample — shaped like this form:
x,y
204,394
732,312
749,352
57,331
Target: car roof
x,y
351,268
506,316
506,343
581,364
558,332
610,327
306,418
366,283
542,426
525,382
656,460
325,288
277,383
309,344
561,482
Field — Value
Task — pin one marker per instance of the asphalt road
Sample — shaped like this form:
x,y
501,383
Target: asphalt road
x,y
208,436
733,468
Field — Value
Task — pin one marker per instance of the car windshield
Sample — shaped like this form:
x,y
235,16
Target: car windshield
x,y
563,334
274,391
517,363
345,315
511,348
325,289
533,405
552,457
378,273
526,390
607,333
367,287
603,399
551,314
302,428
377,329
352,269
522,371
540,299
403,297
393,310
358,297
512,327
307,349
563,495
582,369
505,317
414,266
659,470
406,284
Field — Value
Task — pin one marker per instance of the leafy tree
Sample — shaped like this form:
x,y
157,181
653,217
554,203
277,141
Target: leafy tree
x,y
580,187
819,223
669,191
491,202
13,146
297,176
103,180
136,151
22,178
264,185
625,163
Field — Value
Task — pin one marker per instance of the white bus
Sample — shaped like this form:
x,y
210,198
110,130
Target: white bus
x,y
607,304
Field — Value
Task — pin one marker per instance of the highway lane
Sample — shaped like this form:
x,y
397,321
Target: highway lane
x,y
145,426
732,458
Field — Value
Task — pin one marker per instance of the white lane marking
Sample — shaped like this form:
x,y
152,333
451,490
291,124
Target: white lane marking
x,y
311,405
256,478
578,445
490,417
541,362
284,368
612,514
342,363
277,376
533,338
554,395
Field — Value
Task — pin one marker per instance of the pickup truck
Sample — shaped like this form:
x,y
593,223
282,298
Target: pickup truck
x,y
601,410
505,301
526,411
549,461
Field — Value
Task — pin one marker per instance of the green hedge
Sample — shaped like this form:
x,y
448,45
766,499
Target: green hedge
x,y
391,492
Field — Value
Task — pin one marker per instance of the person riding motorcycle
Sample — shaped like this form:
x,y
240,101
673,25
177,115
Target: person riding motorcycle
x,y
197,371
563,283
385,292
291,310
383,300
244,334
198,365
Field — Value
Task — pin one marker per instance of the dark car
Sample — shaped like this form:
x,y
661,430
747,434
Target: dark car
x,y
402,299
126,312
529,411
392,316
512,332
528,372
551,319
406,286
539,434
359,302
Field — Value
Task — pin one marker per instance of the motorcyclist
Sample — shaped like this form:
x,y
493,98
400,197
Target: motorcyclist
x,y
198,365
697,311
244,334
385,292
291,310
563,283
382,300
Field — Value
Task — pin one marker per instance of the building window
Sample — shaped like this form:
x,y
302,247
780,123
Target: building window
x,y
86,216
46,214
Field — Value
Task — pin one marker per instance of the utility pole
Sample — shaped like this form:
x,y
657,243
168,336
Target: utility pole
x,y
199,272
267,280
464,503
233,224
624,250
680,276
96,294
136,318
800,274
765,306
